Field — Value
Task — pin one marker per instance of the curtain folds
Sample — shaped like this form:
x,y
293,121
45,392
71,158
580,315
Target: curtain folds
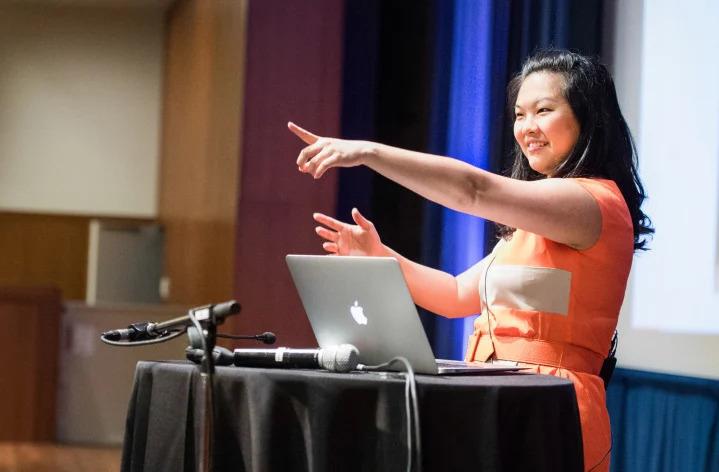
x,y
470,46
663,422
478,47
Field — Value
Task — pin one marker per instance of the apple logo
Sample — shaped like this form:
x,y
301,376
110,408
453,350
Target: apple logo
x,y
358,313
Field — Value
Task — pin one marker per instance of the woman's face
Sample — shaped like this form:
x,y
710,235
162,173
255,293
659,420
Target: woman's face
x,y
544,126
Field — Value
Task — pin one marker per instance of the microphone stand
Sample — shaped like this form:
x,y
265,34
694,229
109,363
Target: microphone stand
x,y
205,337
207,396
204,334
201,327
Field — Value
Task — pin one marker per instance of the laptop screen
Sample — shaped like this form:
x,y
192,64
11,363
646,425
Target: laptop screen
x,y
362,301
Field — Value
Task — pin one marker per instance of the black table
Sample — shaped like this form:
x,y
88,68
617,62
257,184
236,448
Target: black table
x,y
303,420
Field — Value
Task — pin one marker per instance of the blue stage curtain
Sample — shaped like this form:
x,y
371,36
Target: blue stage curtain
x,y
479,45
663,422
475,34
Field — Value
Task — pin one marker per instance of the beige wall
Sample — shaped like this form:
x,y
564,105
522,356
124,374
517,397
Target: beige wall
x,y
80,102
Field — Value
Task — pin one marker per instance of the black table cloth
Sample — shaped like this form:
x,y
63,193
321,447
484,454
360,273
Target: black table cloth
x,y
305,420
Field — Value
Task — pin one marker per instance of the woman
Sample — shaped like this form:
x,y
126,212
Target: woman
x,y
569,220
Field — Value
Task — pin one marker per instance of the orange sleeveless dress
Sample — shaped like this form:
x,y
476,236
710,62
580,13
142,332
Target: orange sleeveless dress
x,y
554,309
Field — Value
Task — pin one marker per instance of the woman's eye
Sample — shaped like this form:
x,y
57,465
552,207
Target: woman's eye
x,y
518,116
543,110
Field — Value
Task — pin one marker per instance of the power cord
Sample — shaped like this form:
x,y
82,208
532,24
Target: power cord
x,y
411,409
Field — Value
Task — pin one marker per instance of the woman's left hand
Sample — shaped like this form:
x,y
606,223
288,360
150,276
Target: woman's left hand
x,y
324,153
344,239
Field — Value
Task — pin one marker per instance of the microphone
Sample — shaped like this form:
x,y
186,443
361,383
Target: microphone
x,y
266,337
342,358
145,331
220,355
134,332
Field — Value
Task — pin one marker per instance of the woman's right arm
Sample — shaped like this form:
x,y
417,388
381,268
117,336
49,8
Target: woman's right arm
x,y
434,290
557,209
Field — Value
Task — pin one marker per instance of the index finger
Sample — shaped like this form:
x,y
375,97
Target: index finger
x,y
328,221
302,133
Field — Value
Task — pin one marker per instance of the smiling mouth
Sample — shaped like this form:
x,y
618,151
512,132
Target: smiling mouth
x,y
533,146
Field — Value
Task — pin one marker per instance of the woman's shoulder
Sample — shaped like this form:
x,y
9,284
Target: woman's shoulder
x,y
613,207
604,191
593,184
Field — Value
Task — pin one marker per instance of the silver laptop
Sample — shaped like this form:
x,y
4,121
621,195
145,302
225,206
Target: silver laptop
x,y
364,301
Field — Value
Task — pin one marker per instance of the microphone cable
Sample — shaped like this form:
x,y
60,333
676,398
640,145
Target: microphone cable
x,y
411,409
267,337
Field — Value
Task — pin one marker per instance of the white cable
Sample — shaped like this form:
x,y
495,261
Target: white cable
x,y
412,414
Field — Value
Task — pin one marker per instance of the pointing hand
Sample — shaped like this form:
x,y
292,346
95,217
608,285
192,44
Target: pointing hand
x,y
322,153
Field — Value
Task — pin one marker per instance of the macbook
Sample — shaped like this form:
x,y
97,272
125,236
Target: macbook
x,y
364,301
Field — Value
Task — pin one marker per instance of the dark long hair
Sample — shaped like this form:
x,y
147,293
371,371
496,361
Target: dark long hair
x,y
605,148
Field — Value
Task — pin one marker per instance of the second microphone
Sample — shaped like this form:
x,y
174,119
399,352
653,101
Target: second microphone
x,y
342,358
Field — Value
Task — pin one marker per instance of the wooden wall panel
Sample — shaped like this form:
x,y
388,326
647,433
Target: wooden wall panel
x,y
28,346
200,142
40,249
293,73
